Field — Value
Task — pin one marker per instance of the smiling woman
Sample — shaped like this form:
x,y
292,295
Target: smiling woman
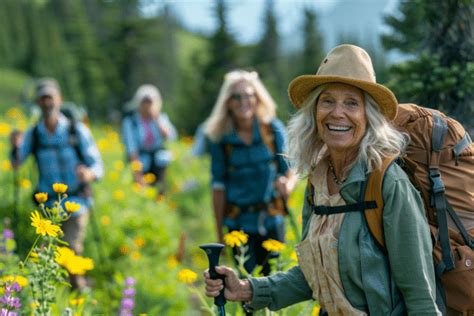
x,y
341,133
249,173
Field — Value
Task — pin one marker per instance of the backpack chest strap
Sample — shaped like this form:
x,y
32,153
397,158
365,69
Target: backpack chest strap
x,y
354,207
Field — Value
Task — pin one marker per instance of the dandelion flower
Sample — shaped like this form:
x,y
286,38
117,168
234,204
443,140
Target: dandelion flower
x,y
118,165
235,238
76,301
139,242
187,276
72,207
273,245
149,178
41,197
6,165
59,188
135,255
105,220
25,183
136,166
119,195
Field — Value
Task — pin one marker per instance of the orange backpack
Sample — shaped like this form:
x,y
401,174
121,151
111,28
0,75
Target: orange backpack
x,y
440,163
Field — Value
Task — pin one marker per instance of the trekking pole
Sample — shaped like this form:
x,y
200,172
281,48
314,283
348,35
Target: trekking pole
x,y
213,251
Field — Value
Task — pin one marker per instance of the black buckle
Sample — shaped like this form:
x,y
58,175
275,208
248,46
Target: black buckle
x,y
437,184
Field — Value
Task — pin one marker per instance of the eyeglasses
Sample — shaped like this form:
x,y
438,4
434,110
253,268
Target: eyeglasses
x,y
241,97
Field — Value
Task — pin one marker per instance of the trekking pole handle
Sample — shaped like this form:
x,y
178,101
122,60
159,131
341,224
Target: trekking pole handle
x,y
213,251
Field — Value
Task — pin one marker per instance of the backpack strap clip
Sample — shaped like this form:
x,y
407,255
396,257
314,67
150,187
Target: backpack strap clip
x,y
437,184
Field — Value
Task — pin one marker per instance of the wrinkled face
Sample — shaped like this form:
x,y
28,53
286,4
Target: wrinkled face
x,y
242,102
340,117
49,105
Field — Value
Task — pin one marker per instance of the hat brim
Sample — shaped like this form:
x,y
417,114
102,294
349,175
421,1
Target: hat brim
x,y
301,87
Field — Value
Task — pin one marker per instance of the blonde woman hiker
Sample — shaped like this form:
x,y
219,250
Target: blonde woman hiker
x,y
250,176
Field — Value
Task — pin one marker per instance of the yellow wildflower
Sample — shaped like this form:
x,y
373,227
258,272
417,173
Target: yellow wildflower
x,y
119,195
44,226
14,114
124,249
118,165
136,187
136,166
187,276
6,165
21,280
236,238
59,188
41,197
63,255
149,178
172,262
76,265
5,129
114,175
25,183
315,311
135,255
79,265
105,220
72,207
290,235
273,245
76,301
139,242
294,256
150,192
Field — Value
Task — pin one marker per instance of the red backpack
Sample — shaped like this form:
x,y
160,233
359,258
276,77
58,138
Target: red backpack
x,y
440,163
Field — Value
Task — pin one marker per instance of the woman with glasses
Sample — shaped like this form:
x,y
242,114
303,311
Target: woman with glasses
x,y
251,179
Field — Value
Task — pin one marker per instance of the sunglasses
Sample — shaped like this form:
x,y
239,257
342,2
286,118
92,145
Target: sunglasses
x,y
240,97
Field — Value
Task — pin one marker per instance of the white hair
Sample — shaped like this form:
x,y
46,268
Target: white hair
x,y
148,91
220,121
381,139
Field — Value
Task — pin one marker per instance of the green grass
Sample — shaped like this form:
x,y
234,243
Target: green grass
x,y
139,236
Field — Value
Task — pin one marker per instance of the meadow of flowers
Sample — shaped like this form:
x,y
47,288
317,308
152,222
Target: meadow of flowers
x,y
142,254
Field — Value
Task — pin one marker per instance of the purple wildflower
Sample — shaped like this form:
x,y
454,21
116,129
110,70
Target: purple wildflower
x,y
8,233
128,303
129,292
129,281
8,302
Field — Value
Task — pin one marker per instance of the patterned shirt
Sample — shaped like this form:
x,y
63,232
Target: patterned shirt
x,y
144,138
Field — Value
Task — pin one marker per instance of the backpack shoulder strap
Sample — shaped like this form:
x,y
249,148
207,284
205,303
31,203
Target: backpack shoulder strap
x,y
74,139
34,140
373,192
268,136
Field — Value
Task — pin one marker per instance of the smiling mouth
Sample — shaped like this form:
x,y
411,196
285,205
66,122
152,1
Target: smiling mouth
x,y
338,128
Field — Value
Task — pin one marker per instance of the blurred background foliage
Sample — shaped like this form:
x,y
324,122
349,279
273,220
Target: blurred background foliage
x,y
102,50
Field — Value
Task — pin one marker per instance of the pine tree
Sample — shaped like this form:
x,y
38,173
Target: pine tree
x,y
442,73
313,49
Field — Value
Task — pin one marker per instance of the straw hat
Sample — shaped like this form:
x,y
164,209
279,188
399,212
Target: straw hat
x,y
347,64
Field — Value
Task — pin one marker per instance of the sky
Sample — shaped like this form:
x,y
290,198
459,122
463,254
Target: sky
x,y
245,17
